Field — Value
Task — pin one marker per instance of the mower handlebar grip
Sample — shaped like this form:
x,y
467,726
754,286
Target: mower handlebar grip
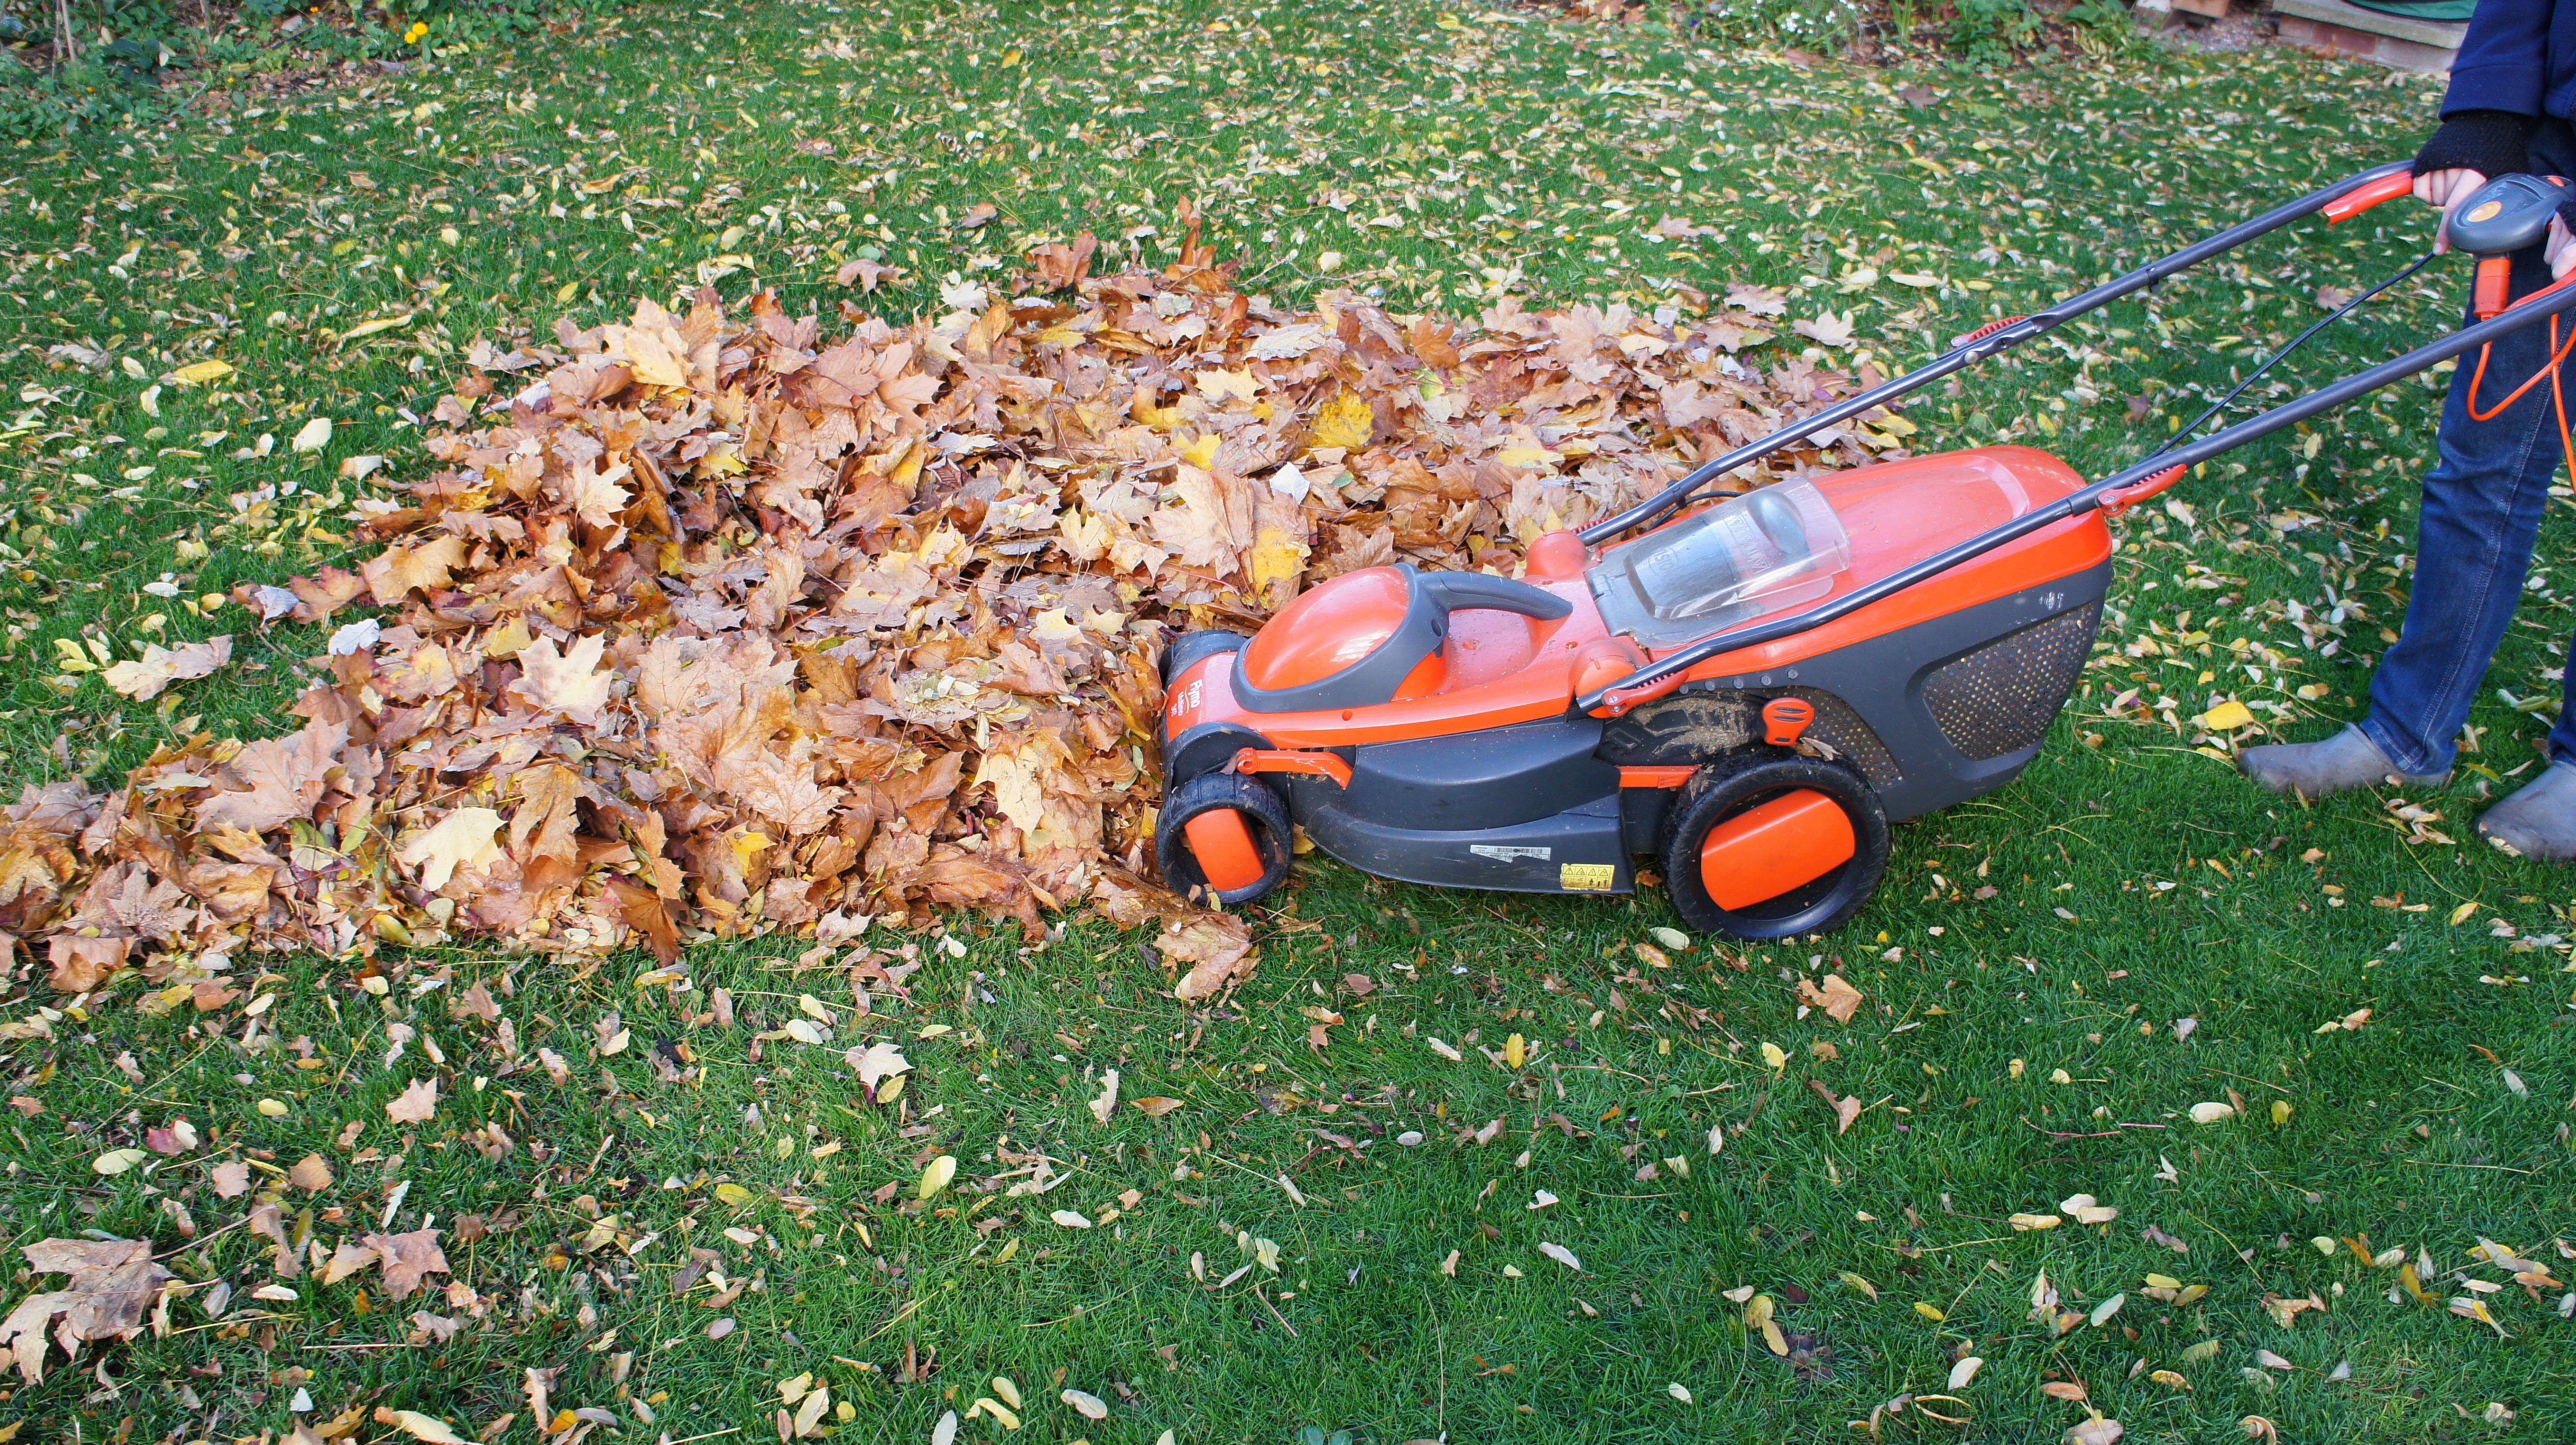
x,y
2361,198
1469,591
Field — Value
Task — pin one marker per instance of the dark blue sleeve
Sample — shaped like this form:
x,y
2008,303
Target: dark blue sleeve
x,y
2503,62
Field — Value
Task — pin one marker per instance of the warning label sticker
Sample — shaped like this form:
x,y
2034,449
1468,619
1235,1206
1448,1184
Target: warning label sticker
x,y
1587,877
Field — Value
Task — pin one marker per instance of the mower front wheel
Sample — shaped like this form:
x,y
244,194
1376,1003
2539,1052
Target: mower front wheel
x,y
1223,834
1774,846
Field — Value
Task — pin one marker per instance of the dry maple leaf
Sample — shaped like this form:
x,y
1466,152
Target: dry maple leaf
x,y
1846,1109
1835,995
346,1260
1058,266
392,574
81,964
146,677
406,1257
1216,947
877,1063
113,1282
327,591
595,497
569,681
274,780
546,821
462,839
415,1104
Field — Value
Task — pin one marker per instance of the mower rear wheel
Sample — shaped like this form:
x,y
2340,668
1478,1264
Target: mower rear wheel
x,y
1772,846
1224,834
1189,647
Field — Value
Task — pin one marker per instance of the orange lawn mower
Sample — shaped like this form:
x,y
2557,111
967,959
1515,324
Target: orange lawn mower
x,y
1748,689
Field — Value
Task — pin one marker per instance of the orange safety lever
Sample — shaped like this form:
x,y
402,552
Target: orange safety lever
x,y
2361,198
1785,719
1281,760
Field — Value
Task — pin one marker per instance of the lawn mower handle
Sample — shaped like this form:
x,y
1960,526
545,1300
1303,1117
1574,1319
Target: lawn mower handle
x,y
2366,189
1660,676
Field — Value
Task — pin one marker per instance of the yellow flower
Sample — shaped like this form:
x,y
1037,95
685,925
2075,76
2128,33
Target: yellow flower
x,y
418,29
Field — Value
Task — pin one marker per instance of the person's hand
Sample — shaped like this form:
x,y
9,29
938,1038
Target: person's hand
x,y
2447,189
2559,250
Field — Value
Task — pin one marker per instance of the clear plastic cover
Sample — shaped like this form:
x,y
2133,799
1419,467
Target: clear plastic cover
x,y
1768,549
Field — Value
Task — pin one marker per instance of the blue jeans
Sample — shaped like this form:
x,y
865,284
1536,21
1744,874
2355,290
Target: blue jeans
x,y
2483,502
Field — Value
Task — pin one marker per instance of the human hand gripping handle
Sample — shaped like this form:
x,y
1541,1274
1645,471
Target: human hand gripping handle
x,y
2506,215
2445,190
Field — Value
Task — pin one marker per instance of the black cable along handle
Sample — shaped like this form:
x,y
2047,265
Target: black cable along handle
x,y
1986,342
1641,685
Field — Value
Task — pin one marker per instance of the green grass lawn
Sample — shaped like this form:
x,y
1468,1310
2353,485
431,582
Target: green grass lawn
x,y
1353,1228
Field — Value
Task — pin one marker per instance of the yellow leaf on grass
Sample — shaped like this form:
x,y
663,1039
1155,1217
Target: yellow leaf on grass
x,y
371,328
2226,717
936,1177
200,373
735,1195
1929,1311
420,1427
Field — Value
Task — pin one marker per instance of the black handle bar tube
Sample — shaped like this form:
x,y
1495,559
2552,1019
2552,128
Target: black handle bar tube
x,y
2073,504
1958,358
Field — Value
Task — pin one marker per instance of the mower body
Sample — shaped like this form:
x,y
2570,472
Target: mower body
x,y
1422,726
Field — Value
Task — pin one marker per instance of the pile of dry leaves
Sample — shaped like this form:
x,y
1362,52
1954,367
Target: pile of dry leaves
x,y
718,623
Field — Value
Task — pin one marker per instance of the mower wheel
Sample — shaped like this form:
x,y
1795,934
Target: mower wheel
x,y
1226,834
1771,846
1189,647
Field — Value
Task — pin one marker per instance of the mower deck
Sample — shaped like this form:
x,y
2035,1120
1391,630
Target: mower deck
x,y
1457,757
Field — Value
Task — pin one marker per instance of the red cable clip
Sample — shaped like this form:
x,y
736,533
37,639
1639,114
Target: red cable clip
x,y
2121,499
1982,332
